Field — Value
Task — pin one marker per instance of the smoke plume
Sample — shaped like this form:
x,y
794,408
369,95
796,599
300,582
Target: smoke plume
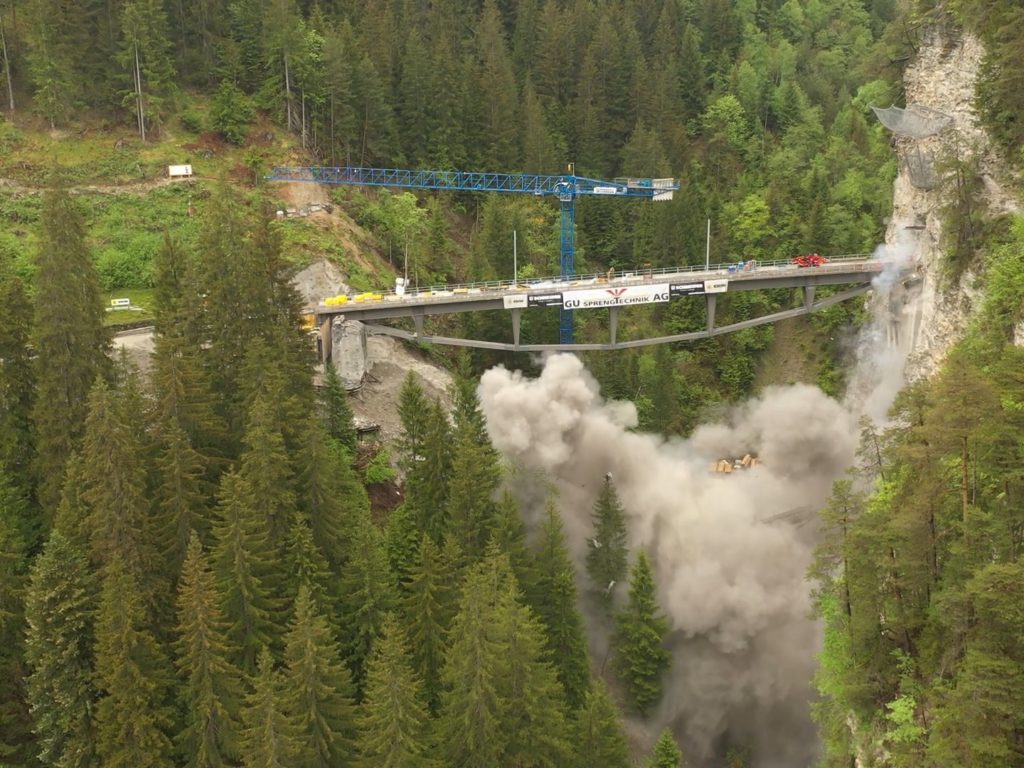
x,y
731,575
730,552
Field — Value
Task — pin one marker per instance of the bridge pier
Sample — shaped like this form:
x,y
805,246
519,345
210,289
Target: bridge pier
x,y
326,338
348,351
417,321
517,316
613,324
712,300
808,296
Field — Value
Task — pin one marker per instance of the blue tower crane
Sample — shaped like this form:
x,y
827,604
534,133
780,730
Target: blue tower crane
x,y
566,188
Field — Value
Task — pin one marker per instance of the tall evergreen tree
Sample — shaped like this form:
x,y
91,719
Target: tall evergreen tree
x,y
319,689
597,732
640,656
146,54
429,605
428,480
16,742
212,693
474,481
337,412
270,738
70,346
239,559
556,608
368,595
16,380
132,717
267,472
60,608
115,487
606,557
180,504
394,723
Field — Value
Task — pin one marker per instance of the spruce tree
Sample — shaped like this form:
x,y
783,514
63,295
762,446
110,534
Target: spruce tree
x,y
16,380
394,723
640,628
70,345
212,693
115,487
337,413
270,738
427,482
318,689
412,410
556,608
16,742
180,505
471,727
239,558
266,470
597,733
307,566
368,594
429,605
60,609
666,752
132,717
607,555
510,537
474,481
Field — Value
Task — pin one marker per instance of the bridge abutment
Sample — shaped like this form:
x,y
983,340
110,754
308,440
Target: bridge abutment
x,y
347,351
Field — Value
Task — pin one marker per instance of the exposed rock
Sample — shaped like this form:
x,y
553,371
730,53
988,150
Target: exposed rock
x,y
318,281
942,78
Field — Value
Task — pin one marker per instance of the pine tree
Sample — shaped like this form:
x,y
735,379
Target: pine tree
x,y
270,738
427,482
510,537
474,481
146,54
429,606
69,346
412,410
394,723
533,722
318,689
16,380
597,731
368,594
606,558
556,608
132,717
470,728
212,693
239,557
60,608
307,565
640,657
16,741
266,470
115,487
336,410
666,752
180,505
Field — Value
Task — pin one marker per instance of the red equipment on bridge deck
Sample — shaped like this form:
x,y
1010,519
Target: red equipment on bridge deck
x,y
810,260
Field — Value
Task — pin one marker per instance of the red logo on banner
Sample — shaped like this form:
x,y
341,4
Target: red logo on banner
x,y
616,292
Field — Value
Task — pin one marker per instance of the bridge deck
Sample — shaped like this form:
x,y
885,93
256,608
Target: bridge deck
x,y
492,295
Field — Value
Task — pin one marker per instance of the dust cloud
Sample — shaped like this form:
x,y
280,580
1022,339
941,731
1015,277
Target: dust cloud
x,y
730,552
731,576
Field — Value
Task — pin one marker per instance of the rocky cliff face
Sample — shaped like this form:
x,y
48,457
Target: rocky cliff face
x,y
936,311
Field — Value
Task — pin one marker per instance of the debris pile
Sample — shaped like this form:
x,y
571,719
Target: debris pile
x,y
728,466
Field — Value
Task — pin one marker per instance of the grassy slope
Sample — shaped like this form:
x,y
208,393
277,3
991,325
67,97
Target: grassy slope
x,y
130,204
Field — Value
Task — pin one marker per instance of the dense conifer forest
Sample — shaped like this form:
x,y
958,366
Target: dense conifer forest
x,y
191,570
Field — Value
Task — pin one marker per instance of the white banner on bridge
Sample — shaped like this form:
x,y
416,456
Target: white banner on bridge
x,y
716,286
518,301
616,297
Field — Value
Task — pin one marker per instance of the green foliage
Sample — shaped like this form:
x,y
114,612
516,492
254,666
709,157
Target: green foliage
x,y
231,112
379,470
640,656
394,726
666,752
270,738
607,553
597,731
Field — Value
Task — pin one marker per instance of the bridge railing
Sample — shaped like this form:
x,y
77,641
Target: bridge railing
x,y
731,270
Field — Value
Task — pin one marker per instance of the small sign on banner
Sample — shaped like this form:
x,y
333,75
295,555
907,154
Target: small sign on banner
x,y
545,300
675,290
716,286
518,301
